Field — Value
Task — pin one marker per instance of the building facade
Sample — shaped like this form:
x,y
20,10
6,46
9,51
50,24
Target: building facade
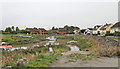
x,y
32,31
115,28
62,31
96,30
42,31
37,31
88,31
105,29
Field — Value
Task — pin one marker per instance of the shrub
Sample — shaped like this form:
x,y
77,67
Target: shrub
x,y
109,34
117,33
43,61
83,43
5,32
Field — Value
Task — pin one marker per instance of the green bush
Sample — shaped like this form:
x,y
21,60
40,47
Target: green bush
x,y
109,34
5,32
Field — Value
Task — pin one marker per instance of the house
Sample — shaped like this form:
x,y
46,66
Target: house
x,y
115,27
42,31
37,31
54,31
88,31
76,31
96,30
32,30
93,31
62,31
105,29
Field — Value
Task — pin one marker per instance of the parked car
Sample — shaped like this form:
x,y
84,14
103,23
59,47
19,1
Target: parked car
x,y
4,46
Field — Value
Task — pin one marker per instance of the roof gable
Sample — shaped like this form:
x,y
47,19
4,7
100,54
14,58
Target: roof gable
x,y
42,29
105,26
31,29
116,25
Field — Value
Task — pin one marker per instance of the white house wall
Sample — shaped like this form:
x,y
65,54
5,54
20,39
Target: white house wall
x,y
114,29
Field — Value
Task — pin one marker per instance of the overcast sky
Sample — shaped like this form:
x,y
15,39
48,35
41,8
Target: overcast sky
x,y
48,13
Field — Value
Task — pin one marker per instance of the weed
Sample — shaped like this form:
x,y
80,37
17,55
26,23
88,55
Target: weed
x,y
71,61
80,56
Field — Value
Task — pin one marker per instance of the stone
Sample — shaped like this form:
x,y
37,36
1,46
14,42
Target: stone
x,y
22,62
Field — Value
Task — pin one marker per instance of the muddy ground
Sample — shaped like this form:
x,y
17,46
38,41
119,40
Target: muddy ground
x,y
63,61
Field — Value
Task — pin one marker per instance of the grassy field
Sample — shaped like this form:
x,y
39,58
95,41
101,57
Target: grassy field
x,y
64,39
82,43
40,56
11,39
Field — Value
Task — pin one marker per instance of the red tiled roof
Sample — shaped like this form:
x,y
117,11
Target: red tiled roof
x,y
31,29
42,29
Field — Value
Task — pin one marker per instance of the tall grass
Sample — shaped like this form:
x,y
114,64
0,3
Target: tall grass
x,y
83,43
40,55
43,61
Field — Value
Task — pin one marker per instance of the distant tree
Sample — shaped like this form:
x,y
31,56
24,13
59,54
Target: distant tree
x,y
71,32
53,28
70,28
35,28
83,30
8,29
66,26
77,28
56,28
24,31
49,32
17,29
12,28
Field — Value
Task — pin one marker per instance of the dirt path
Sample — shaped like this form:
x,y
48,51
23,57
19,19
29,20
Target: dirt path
x,y
72,52
63,61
